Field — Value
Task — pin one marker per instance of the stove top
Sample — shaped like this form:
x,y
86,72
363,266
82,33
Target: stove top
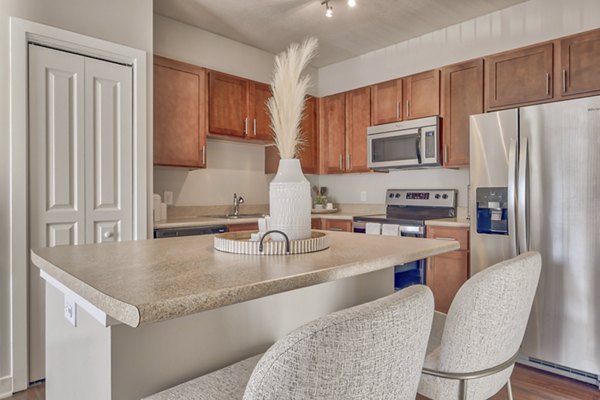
x,y
414,207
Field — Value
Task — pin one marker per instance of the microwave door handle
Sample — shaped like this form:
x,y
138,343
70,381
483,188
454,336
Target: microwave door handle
x,y
418,148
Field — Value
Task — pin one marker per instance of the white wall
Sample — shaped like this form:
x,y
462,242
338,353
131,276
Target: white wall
x,y
125,22
523,24
231,166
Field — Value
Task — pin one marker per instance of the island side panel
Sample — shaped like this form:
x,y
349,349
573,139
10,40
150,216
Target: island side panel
x,y
157,356
78,359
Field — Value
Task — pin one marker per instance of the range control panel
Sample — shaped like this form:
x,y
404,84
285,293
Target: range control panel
x,y
421,197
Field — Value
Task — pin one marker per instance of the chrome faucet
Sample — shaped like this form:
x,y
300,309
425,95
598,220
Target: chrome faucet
x,y
236,204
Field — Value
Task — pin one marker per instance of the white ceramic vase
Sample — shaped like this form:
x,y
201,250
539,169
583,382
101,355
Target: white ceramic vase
x,y
290,202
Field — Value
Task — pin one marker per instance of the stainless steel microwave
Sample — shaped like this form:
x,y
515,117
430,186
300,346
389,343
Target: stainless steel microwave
x,y
406,144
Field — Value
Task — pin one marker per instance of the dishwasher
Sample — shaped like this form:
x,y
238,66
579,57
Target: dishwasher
x,y
189,231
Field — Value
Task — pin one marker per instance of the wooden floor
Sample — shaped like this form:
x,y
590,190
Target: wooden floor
x,y
527,383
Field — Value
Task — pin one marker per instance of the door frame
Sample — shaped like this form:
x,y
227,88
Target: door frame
x,y
21,33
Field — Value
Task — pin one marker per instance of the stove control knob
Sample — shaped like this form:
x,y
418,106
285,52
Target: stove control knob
x,y
444,196
437,196
391,195
397,195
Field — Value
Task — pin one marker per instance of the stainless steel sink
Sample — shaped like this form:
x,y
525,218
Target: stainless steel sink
x,y
224,216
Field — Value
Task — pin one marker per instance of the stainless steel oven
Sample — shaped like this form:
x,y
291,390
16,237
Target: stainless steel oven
x,y
406,144
406,213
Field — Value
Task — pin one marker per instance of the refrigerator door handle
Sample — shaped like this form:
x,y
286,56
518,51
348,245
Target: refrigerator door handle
x,y
512,210
523,231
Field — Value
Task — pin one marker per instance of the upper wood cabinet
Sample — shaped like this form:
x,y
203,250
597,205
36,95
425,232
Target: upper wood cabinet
x,y
422,94
358,119
579,73
259,112
462,96
332,119
309,151
228,104
180,110
519,77
386,102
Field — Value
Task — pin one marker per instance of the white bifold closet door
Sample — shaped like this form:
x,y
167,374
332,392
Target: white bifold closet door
x,y
80,163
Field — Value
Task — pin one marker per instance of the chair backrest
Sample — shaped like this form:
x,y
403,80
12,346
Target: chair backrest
x,y
488,317
372,351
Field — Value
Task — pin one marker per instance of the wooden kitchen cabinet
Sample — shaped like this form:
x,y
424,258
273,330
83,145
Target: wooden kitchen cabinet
x,y
462,96
519,77
446,273
228,105
386,102
259,121
332,119
341,225
344,118
422,94
251,226
316,223
309,151
358,119
579,71
180,110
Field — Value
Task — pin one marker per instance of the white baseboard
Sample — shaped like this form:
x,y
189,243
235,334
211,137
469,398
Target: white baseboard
x,y
5,387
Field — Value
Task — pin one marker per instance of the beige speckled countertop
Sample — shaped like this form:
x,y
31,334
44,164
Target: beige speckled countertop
x,y
140,282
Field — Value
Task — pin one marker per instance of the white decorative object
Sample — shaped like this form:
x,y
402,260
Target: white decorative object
x,y
290,201
289,193
240,243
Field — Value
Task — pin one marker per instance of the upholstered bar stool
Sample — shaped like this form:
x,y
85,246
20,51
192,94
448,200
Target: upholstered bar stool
x,y
371,351
472,350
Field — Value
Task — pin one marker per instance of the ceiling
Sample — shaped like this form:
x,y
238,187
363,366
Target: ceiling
x,y
373,24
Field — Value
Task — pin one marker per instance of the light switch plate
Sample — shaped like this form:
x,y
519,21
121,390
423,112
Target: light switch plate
x,y
70,310
168,197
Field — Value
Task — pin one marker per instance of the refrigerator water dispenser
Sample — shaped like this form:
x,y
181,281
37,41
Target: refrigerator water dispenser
x,y
492,210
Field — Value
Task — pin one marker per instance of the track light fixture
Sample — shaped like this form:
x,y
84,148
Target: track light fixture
x,y
329,7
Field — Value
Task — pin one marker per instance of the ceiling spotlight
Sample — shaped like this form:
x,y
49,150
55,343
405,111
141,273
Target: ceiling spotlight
x,y
328,10
351,3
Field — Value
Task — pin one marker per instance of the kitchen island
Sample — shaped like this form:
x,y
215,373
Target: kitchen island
x,y
154,313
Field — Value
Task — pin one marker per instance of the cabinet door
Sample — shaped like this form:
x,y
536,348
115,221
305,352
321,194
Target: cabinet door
x,y
422,95
386,102
228,105
259,116
180,110
580,64
445,275
316,223
333,122
250,226
462,96
358,119
309,150
337,225
519,77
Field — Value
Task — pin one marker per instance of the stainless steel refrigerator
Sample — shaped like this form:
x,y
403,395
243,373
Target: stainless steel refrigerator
x,y
535,185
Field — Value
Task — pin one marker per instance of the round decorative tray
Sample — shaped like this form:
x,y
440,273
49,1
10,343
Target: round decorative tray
x,y
239,243
324,210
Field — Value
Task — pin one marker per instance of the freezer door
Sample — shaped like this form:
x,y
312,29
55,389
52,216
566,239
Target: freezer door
x,y
493,146
563,223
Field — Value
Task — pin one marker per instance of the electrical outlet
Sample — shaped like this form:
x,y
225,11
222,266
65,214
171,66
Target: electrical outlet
x,y
70,310
363,196
168,197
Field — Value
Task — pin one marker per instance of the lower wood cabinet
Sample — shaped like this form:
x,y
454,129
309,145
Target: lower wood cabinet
x,y
340,225
251,226
446,273
316,223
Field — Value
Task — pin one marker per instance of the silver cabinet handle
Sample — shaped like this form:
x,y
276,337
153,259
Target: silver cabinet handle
x,y
564,80
246,126
547,83
203,154
445,153
254,126
108,235
407,108
397,110
341,162
348,167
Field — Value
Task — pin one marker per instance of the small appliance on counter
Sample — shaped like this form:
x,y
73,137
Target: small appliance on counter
x,y
406,213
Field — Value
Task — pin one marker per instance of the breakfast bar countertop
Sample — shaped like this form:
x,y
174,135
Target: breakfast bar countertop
x,y
140,282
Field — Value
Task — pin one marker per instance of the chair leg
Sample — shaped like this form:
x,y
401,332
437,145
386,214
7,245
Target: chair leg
x,y
509,387
463,389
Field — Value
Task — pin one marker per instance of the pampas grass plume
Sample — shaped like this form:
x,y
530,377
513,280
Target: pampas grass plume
x,y
289,88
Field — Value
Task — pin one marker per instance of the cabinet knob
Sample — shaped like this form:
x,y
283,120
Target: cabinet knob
x,y
108,235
